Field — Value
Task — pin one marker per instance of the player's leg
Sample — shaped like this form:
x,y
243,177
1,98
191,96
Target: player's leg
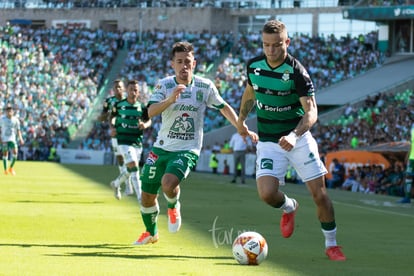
x,y
312,171
152,173
133,168
408,182
179,166
13,158
5,154
271,166
121,178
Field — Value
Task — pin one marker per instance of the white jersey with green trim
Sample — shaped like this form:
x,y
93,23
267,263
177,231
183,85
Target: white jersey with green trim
x,y
9,128
183,121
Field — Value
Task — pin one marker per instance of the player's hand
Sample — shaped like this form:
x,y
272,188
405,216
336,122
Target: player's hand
x,y
141,125
176,93
253,136
113,132
288,142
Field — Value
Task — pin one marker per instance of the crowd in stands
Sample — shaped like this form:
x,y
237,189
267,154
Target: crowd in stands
x,y
59,4
390,2
51,77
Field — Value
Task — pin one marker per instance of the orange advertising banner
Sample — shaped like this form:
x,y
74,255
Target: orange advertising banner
x,y
351,159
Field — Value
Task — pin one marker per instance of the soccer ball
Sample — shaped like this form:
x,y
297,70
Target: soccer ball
x,y
250,248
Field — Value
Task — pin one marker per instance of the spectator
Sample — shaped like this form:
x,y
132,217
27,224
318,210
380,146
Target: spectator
x,y
239,148
338,174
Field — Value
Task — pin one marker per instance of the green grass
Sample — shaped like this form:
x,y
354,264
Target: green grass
x,y
63,220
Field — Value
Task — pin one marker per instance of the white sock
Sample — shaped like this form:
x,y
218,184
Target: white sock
x,y
174,199
289,205
136,183
330,237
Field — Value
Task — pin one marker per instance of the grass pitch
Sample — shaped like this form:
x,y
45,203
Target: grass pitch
x,y
63,220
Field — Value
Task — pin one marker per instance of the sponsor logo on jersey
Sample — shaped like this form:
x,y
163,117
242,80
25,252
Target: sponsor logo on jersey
x,y
182,128
270,108
152,158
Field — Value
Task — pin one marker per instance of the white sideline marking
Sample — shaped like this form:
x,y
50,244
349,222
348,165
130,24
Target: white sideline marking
x,y
380,203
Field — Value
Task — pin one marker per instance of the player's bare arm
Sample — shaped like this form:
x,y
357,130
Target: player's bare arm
x,y
247,104
157,108
310,117
230,114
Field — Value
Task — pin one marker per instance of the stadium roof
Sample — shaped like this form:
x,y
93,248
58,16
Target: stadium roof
x,y
373,82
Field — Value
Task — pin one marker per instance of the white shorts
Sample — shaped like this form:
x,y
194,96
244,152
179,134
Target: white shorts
x,y
130,153
304,157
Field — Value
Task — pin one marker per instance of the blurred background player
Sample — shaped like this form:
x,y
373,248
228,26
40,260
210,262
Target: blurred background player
x,y
119,94
10,130
130,118
409,173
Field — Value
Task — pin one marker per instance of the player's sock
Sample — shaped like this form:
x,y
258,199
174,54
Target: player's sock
x,y
136,182
289,205
5,163
150,217
13,160
329,231
171,202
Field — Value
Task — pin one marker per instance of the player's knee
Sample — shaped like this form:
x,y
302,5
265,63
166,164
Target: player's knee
x,y
148,200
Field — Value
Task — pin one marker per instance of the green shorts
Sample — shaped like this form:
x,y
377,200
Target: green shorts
x,y
8,145
160,162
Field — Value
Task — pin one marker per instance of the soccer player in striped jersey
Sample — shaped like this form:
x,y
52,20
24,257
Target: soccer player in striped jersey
x,y
130,119
10,131
119,94
283,93
181,100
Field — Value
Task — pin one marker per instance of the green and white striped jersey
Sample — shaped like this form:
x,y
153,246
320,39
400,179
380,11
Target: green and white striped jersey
x,y
277,92
127,117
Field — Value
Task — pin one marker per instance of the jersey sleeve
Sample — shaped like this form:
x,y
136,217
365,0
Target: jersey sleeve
x,y
159,93
303,82
214,99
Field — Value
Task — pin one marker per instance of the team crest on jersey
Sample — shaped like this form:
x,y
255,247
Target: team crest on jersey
x,y
151,159
158,87
285,76
199,96
186,94
182,128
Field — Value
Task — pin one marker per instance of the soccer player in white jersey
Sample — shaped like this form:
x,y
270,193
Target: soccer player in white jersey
x,y
181,100
10,131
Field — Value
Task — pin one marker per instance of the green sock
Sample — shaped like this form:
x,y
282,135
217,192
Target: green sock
x,y
328,226
12,162
5,163
150,217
